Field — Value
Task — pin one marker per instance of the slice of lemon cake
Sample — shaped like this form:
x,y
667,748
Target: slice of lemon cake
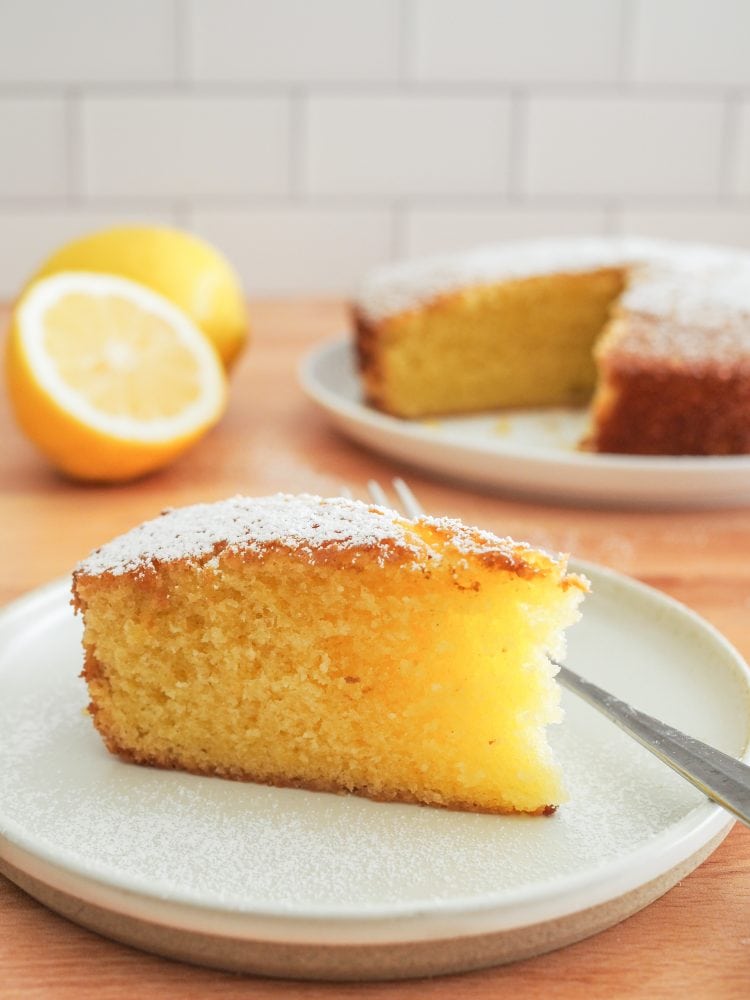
x,y
327,644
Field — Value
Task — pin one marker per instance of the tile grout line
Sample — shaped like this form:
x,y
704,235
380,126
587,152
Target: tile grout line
x,y
406,40
298,145
517,138
729,149
399,211
612,212
182,57
353,203
214,89
181,213
74,146
626,35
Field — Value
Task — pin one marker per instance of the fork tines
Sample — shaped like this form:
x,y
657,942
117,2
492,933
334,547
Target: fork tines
x,y
405,496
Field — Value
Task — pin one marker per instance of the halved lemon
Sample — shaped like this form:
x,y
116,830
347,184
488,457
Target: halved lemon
x,y
109,379
189,272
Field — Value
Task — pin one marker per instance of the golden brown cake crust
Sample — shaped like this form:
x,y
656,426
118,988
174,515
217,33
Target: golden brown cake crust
x,y
658,410
368,359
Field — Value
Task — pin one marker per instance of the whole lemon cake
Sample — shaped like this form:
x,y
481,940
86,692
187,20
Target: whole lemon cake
x,y
658,334
331,645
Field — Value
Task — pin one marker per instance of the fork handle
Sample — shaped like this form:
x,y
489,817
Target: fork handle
x,y
719,776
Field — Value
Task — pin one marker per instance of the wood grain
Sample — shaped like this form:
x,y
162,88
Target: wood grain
x,y
695,940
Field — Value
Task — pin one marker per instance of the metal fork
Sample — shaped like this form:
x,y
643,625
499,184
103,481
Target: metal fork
x,y
722,778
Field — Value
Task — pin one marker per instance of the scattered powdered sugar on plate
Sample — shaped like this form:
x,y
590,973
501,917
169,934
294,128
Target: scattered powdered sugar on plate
x,y
244,846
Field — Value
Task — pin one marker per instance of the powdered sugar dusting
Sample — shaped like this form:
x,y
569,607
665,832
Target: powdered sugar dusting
x,y
722,351
303,523
709,298
406,285
685,318
410,284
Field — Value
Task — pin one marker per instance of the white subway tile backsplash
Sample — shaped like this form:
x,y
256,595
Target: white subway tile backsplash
x,y
620,146
297,250
509,42
80,41
436,230
407,145
33,148
293,41
315,138
692,42
185,146
714,225
27,236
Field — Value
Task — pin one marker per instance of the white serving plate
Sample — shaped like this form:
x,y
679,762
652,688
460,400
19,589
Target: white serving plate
x,y
304,884
520,451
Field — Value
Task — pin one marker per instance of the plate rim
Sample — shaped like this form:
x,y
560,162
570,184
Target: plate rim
x,y
333,402
557,897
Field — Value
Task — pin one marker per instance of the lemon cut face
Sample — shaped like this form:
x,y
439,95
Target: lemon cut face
x,y
108,378
187,271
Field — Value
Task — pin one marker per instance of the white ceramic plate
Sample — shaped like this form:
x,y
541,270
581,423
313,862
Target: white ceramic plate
x,y
299,883
521,451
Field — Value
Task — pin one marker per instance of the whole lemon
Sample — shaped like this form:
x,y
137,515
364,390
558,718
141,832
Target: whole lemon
x,y
184,269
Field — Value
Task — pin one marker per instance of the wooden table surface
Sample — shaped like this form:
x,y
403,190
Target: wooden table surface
x,y
695,940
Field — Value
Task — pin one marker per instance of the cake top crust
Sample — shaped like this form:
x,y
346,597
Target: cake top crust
x,y
696,322
307,525
668,272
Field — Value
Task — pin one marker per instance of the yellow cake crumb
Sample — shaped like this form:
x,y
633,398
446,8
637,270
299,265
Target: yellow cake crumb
x,y
527,342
